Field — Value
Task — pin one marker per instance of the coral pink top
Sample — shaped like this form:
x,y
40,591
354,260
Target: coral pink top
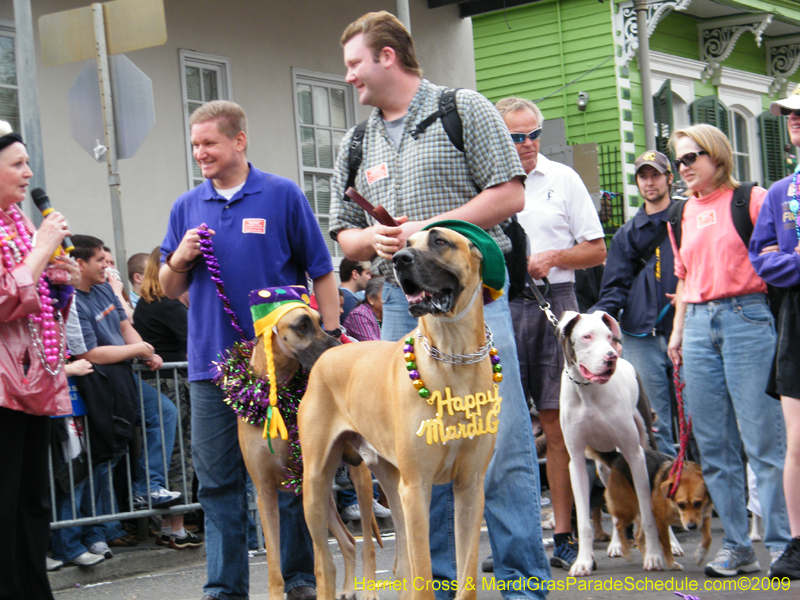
x,y
713,260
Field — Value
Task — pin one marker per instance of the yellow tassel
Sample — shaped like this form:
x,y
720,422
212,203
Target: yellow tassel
x,y
276,424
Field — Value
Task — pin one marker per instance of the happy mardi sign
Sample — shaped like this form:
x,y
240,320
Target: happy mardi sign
x,y
480,411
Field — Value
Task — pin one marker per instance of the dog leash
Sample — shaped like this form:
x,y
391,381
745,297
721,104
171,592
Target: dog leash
x,y
543,304
684,429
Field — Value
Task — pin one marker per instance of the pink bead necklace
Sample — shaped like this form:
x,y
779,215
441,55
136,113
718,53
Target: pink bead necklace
x,y
45,327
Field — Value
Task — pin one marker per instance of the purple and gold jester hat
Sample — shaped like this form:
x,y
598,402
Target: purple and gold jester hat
x,y
268,305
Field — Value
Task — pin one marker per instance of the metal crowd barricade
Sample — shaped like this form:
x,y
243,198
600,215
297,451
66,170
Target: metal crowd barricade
x,y
114,511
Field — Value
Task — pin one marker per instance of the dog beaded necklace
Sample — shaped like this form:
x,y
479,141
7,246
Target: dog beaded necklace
x,y
434,430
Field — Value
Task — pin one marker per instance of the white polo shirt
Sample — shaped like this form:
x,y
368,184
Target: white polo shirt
x,y
558,213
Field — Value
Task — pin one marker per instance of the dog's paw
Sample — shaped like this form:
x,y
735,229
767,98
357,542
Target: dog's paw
x,y
676,548
676,566
601,536
755,536
654,562
614,549
700,555
581,568
352,595
549,523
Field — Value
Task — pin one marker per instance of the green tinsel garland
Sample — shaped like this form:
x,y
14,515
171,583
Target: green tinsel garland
x,y
248,395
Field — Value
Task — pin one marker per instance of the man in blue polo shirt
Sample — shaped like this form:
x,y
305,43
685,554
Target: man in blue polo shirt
x,y
264,235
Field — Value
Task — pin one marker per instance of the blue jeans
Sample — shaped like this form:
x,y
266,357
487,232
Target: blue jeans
x,y
222,493
68,543
648,355
511,487
728,347
157,460
106,499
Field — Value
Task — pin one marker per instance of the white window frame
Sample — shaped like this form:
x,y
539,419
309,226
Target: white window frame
x,y
190,58
753,146
8,29
301,76
738,90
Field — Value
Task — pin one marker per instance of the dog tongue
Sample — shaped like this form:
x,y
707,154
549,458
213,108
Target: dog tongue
x,y
412,299
592,377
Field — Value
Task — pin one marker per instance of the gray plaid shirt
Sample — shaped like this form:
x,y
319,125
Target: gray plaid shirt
x,y
428,176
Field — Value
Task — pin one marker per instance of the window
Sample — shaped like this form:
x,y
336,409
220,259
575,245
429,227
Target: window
x,y
9,90
741,147
204,77
324,111
775,147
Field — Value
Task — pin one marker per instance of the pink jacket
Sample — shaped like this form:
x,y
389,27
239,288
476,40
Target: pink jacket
x,y
38,392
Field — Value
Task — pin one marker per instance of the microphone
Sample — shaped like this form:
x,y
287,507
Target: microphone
x,y
42,202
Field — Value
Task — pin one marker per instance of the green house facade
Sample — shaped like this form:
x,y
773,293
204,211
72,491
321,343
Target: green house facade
x,y
711,61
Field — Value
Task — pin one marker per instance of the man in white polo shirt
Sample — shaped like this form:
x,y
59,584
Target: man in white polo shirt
x,y
565,234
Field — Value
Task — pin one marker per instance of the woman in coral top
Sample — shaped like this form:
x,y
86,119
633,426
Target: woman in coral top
x,y
725,334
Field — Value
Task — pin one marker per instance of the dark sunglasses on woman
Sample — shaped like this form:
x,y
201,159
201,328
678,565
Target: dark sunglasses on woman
x,y
788,111
519,138
689,158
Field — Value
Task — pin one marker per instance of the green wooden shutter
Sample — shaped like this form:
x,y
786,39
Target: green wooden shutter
x,y
773,142
712,111
662,110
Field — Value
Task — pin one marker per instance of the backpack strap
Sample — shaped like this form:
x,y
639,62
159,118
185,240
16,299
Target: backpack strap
x,y
740,212
645,257
451,120
675,218
355,155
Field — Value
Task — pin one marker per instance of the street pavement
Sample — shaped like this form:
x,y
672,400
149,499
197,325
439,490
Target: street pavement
x,y
162,580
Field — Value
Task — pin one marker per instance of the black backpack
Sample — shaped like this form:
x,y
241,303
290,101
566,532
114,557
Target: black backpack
x,y
516,260
740,213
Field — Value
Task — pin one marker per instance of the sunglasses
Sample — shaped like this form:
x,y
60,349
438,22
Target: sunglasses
x,y
688,159
788,111
519,138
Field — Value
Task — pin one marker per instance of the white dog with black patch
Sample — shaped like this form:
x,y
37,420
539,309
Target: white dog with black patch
x,y
602,406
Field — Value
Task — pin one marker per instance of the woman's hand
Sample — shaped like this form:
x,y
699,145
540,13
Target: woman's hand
x,y
51,232
64,271
78,368
674,347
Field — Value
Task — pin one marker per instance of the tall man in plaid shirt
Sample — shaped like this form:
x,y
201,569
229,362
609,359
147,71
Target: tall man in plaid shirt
x,y
424,179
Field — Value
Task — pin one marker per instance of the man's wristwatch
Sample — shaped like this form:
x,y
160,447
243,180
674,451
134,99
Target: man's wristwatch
x,y
337,333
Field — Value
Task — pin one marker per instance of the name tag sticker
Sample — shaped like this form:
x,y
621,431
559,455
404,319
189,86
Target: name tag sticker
x,y
377,173
707,218
254,226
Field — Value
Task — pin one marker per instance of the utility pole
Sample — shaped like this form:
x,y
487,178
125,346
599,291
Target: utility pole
x,y
29,98
640,6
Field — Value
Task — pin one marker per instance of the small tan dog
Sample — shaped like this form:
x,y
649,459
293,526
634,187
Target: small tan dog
x,y
296,339
411,439
690,507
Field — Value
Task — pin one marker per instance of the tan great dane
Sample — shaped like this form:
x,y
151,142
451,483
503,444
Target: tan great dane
x,y
371,410
302,336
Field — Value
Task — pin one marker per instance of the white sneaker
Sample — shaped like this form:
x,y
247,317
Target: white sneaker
x,y
381,512
87,559
162,497
351,513
102,549
53,564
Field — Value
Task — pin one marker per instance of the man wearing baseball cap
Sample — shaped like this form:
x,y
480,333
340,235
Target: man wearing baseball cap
x,y
639,280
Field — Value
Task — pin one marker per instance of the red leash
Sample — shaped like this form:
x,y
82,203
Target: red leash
x,y
684,429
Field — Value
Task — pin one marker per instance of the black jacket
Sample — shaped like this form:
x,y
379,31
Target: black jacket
x,y
111,396
640,298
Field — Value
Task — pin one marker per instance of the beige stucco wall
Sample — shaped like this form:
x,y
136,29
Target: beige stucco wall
x,y
264,40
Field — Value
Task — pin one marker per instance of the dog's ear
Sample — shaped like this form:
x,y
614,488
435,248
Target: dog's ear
x,y
565,326
666,486
616,332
